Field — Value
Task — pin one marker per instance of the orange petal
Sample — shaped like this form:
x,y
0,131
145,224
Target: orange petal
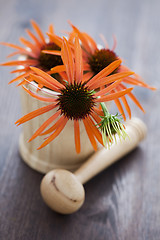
x,y
120,108
57,69
13,46
86,67
53,52
114,43
78,61
77,136
14,53
92,43
44,125
82,38
90,134
55,126
28,44
96,117
63,76
57,40
113,96
106,71
39,97
28,53
130,80
38,31
29,62
35,113
20,77
112,78
126,106
125,102
51,29
23,82
108,88
87,76
34,38
123,68
55,134
134,99
44,82
98,111
104,41
47,77
95,130
68,60
20,70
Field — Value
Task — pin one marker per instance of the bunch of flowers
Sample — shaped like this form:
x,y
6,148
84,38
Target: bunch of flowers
x,y
82,78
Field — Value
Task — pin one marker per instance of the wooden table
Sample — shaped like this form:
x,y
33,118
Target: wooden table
x,y
123,202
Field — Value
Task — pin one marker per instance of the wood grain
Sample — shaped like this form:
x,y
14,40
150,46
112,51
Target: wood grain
x,y
123,202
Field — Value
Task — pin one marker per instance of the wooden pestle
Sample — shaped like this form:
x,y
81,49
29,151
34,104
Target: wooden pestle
x,y
63,191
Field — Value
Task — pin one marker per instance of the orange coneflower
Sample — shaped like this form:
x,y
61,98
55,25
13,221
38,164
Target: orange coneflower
x,y
97,59
32,51
75,99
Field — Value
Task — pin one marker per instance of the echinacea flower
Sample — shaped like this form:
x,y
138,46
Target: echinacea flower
x,y
97,59
32,51
75,99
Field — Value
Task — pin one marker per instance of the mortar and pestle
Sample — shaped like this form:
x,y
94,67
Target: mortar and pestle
x,y
63,191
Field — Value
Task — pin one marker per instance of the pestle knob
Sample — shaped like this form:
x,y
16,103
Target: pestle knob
x,y
63,191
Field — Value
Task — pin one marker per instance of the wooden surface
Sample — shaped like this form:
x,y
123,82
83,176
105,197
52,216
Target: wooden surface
x,y
122,202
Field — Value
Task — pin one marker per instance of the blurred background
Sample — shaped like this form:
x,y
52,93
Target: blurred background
x,y
124,201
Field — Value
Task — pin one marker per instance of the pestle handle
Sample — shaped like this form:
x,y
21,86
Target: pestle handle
x,y
103,158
